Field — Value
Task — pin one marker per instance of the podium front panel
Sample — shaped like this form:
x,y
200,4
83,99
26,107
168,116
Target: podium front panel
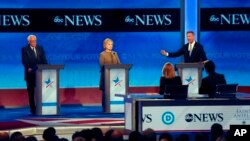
x,y
49,92
128,115
190,77
117,86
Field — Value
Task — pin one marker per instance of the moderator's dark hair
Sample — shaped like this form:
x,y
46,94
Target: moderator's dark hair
x,y
209,66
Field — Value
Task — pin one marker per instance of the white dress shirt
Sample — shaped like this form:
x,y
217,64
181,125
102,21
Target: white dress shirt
x,y
34,49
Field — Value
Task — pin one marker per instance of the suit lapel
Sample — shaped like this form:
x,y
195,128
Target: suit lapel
x,y
31,52
37,52
195,46
194,49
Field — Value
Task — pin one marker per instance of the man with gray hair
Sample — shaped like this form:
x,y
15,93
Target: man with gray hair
x,y
32,55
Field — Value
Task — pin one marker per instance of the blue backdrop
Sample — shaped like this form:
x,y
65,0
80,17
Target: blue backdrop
x,y
229,49
80,51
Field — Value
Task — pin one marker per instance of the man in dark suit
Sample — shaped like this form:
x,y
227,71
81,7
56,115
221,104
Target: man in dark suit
x,y
208,84
32,55
193,51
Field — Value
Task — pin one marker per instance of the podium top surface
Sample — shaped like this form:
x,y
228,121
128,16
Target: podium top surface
x,y
190,65
46,66
141,96
117,66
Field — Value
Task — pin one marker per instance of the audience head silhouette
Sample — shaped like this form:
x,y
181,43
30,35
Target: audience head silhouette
x,y
216,131
49,134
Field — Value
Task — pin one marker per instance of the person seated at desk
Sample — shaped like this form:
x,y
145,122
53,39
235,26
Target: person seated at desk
x,y
208,84
168,77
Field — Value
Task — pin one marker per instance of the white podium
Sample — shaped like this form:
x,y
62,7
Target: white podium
x,y
116,81
47,90
191,75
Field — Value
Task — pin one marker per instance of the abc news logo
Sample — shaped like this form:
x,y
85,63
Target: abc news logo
x,y
230,19
239,132
204,117
78,20
149,20
14,20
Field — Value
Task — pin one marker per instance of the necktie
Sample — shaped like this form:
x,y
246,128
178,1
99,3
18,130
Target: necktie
x,y
33,48
190,49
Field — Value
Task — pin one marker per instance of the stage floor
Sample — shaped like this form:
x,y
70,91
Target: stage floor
x,y
77,115
72,119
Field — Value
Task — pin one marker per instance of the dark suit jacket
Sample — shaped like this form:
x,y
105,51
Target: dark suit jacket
x,y
171,81
30,61
198,54
208,84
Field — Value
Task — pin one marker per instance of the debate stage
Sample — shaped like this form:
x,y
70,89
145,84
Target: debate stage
x,y
81,108
72,118
70,115
77,115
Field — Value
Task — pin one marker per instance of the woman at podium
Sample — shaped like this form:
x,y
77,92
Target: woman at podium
x,y
107,57
168,77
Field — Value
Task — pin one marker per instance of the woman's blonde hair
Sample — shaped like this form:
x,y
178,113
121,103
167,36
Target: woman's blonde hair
x,y
168,70
105,42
